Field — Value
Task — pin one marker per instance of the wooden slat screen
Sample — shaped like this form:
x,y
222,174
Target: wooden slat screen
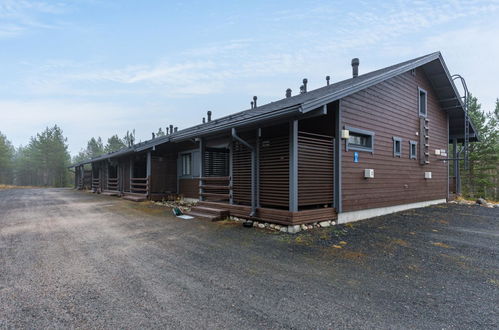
x,y
241,173
216,162
315,169
274,171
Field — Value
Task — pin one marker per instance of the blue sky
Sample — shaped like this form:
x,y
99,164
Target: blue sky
x,y
98,67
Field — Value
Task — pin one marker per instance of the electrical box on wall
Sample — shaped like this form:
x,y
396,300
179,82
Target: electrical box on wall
x,y
345,134
369,173
427,175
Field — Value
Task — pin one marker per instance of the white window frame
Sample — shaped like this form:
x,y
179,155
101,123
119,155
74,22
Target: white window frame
x,y
411,155
395,140
361,132
421,114
186,166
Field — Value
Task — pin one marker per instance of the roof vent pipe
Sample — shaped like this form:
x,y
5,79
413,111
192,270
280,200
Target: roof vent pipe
x,y
153,136
171,129
176,129
302,89
209,116
167,130
204,120
327,80
251,104
254,101
355,67
305,81
288,92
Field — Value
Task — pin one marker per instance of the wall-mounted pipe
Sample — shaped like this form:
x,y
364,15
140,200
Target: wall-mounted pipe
x,y
253,170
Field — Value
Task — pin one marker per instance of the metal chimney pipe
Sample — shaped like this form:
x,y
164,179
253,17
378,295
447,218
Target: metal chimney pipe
x,y
355,67
302,89
153,136
167,130
251,104
288,92
327,80
204,120
254,101
171,129
176,129
305,81
209,116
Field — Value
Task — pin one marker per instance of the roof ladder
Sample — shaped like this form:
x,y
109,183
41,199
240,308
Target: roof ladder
x,y
424,130
465,101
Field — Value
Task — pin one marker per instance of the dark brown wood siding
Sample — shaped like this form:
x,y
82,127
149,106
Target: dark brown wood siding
x,y
189,188
164,173
125,173
390,109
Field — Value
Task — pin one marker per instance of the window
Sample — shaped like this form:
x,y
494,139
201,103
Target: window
x,y
397,147
359,139
422,102
413,146
186,164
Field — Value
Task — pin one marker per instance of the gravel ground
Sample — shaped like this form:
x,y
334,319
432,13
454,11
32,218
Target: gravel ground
x,y
73,259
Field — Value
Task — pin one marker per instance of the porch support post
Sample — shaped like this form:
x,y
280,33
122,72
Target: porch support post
x,y
149,172
457,174
253,170
201,166
293,166
131,173
231,180
82,176
257,167
337,157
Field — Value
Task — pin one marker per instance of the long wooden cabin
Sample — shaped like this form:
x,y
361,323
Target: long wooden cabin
x,y
373,144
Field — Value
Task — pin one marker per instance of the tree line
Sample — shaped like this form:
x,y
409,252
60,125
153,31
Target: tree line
x,y
44,161
482,178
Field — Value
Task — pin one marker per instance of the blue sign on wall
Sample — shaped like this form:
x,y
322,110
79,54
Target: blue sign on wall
x,y
355,157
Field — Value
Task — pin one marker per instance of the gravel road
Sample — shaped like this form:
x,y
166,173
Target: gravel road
x,y
74,259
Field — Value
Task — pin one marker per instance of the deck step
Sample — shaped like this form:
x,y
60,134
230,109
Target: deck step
x,y
135,197
110,193
211,210
204,216
209,213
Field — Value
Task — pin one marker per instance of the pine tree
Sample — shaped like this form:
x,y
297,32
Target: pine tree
x,y
7,152
481,179
114,143
160,132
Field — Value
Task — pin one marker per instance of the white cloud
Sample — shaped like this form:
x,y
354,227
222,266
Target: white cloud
x,y
19,16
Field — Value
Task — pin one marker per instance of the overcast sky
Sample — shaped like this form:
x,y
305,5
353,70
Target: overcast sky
x,y
98,68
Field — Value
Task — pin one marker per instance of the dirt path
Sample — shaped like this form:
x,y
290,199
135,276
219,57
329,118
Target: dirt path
x,y
73,259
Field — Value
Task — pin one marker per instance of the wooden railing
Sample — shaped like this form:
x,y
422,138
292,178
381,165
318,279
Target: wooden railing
x,y
113,184
95,184
139,185
216,188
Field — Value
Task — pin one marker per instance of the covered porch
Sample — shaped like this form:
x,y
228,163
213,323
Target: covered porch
x,y
282,172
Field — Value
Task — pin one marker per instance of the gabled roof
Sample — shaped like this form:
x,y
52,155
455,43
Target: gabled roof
x,y
433,64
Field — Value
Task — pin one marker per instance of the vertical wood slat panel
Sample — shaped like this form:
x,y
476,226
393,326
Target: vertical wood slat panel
x,y
274,171
241,172
315,169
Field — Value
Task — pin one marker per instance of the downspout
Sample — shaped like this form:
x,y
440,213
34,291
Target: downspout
x,y
253,170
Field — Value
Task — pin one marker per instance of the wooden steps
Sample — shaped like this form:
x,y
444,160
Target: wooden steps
x,y
208,213
110,193
135,197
